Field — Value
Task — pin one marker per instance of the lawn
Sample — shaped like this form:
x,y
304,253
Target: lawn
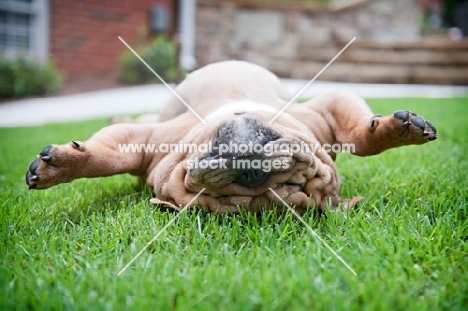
x,y
62,248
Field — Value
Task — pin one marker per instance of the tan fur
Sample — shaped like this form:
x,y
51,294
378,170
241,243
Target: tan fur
x,y
312,179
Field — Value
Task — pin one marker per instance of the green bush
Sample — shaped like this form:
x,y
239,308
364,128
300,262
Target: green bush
x,y
22,76
160,55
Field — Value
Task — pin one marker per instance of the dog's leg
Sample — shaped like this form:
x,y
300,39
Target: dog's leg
x,y
351,121
101,155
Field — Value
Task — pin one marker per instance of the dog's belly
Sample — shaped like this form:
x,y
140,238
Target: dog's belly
x,y
221,84
237,107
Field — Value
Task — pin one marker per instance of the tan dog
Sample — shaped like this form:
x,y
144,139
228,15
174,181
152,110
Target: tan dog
x,y
237,100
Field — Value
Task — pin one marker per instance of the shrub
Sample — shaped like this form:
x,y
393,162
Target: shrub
x,y
22,76
160,55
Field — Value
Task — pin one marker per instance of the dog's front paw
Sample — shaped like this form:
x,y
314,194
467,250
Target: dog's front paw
x,y
415,126
55,164
403,127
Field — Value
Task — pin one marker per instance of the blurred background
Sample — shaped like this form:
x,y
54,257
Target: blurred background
x,y
71,46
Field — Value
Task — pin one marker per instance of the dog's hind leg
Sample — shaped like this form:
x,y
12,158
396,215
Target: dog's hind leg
x,y
351,122
115,149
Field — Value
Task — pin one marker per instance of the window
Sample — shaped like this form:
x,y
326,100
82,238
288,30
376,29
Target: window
x,y
24,27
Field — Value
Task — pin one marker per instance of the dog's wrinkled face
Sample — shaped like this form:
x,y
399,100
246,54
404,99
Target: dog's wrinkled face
x,y
247,157
238,155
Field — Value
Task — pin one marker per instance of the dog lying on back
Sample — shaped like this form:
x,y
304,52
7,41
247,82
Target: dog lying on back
x,y
245,148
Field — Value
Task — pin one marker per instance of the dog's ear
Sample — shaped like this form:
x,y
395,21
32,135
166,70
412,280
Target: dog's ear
x,y
157,201
350,204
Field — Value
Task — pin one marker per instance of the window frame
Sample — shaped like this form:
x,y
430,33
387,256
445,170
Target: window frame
x,y
38,11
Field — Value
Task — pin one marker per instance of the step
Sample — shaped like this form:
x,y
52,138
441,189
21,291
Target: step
x,y
380,73
370,56
349,72
439,75
436,44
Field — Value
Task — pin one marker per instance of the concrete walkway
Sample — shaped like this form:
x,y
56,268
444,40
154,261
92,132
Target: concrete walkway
x,y
150,98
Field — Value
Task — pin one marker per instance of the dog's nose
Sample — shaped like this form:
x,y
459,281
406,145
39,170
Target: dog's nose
x,y
241,132
238,136
251,178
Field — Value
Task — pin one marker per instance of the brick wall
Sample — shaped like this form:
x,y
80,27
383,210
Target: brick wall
x,y
84,33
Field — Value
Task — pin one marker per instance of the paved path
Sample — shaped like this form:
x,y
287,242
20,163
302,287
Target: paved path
x,y
150,98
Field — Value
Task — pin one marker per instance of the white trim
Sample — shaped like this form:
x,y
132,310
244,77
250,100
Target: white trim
x,y
39,42
187,34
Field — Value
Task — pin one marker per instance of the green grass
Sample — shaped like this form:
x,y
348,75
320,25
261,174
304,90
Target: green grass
x,y
62,248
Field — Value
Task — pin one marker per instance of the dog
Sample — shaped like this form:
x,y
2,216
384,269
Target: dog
x,y
226,106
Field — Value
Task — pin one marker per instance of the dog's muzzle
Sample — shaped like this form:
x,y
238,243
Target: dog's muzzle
x,y
247,170
244,158
238,155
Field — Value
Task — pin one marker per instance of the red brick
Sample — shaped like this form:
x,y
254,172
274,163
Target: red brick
x,y
84,34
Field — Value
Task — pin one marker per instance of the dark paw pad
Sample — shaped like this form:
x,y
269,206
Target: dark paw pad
x,y
33,166
419,122
401,115
45,154
31,174
431,127
414,124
